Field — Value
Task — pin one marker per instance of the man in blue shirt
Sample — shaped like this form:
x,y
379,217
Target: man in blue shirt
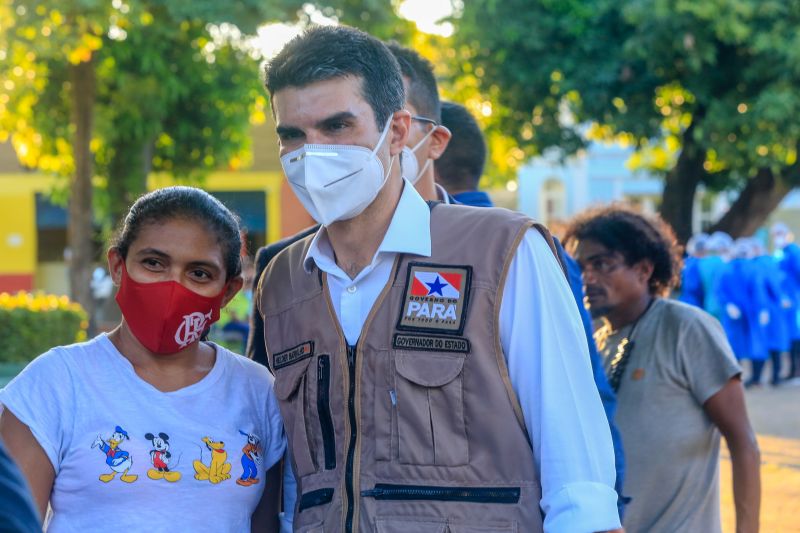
x,y
459,170
17,511
460,167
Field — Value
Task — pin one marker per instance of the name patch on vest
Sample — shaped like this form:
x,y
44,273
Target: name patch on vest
x,y
293,355
435,298
430,343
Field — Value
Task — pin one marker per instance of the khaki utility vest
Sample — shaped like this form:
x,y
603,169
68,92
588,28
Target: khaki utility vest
x,y
417,427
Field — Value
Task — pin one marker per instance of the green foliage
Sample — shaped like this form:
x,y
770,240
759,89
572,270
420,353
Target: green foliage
x,y
32,324
177,86
646,69
377,17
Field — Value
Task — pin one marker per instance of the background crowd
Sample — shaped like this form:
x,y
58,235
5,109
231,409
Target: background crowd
x,y
753,293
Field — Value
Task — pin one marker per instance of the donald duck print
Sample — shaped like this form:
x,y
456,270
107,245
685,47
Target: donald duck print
x,y
117,459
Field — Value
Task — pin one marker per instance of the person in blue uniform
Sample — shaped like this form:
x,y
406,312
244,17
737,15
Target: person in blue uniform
x,y
776,332
788,254
691,281
745,313
711,267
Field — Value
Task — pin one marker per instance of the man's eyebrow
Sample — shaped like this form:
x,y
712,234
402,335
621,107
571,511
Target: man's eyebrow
x,y
336,117
286,130
327,121
599,255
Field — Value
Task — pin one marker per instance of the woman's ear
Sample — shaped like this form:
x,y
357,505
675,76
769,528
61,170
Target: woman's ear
x,y
233,286
115,264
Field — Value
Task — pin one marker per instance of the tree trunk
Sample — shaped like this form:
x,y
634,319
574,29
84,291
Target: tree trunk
x,y
762,194
127,180
80,228
681,184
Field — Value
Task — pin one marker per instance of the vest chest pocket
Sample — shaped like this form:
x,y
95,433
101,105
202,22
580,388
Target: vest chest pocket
x,y
429,402
291,390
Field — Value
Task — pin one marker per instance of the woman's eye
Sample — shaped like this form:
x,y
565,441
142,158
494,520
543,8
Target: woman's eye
x,y
201,275
151,263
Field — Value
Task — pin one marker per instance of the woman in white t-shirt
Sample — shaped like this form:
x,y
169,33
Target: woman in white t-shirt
x,y
149,428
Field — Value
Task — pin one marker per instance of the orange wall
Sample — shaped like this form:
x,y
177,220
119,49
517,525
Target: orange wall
x,y
294,217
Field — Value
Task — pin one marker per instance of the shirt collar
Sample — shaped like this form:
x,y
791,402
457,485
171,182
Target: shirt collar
x,y
474,198
409,232
442,194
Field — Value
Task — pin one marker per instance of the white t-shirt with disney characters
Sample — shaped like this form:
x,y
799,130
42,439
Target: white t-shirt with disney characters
x,y
129,457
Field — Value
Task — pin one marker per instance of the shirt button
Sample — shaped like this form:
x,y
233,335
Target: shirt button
x,y
351,289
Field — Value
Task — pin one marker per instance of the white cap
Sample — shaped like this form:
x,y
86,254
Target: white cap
x,y
719,242
697,243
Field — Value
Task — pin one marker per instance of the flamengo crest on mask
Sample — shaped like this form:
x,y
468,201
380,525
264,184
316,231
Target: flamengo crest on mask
x,y
191,328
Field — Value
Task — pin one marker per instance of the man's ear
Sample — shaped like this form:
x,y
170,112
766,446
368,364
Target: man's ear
x,y
644,269
401,125
440,138
234,285
115,263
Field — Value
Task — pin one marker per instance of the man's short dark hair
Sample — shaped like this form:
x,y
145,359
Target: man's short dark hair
x,y
323,53
423,92
461,165
636,237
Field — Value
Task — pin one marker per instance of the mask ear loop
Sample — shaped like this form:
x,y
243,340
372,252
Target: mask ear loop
x,y
428,161
383,136
378,145
425,138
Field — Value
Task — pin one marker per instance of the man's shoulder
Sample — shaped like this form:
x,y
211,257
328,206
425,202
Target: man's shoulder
x,y
467,217
266,253
283,273
679,313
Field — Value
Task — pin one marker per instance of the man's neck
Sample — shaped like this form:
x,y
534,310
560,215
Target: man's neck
x,y
625,315
356,240
426,186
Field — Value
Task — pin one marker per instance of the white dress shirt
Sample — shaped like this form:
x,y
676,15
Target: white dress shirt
x,y
548,361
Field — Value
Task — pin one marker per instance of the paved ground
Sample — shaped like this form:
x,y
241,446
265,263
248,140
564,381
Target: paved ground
x,y
775,414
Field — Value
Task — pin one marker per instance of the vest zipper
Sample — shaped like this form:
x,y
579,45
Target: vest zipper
x,y
324,410
315,498
351,448
384,491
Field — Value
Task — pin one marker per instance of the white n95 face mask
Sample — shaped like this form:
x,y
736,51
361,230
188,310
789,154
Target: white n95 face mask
x,y
411,170
336,182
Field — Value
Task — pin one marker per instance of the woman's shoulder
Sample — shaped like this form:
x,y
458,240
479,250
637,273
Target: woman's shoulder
x,y
244,368
68,357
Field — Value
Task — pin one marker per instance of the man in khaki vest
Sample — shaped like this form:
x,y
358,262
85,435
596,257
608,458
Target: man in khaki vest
x,y
422,388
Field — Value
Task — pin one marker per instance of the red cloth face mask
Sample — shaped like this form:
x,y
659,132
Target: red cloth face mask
x,y
165,316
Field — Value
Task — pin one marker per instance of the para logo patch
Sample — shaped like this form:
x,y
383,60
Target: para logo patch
x,y
435,298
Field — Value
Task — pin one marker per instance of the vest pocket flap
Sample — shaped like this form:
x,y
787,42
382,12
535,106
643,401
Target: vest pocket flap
x,y
289,378
427,369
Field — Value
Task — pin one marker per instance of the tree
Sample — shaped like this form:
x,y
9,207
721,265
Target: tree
x,y
707,90
120,87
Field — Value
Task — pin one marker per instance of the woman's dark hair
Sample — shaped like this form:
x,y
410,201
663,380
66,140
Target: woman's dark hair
x,y
637,237
187,203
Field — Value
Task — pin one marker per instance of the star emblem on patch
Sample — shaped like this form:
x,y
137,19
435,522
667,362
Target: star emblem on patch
x,y
435,298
